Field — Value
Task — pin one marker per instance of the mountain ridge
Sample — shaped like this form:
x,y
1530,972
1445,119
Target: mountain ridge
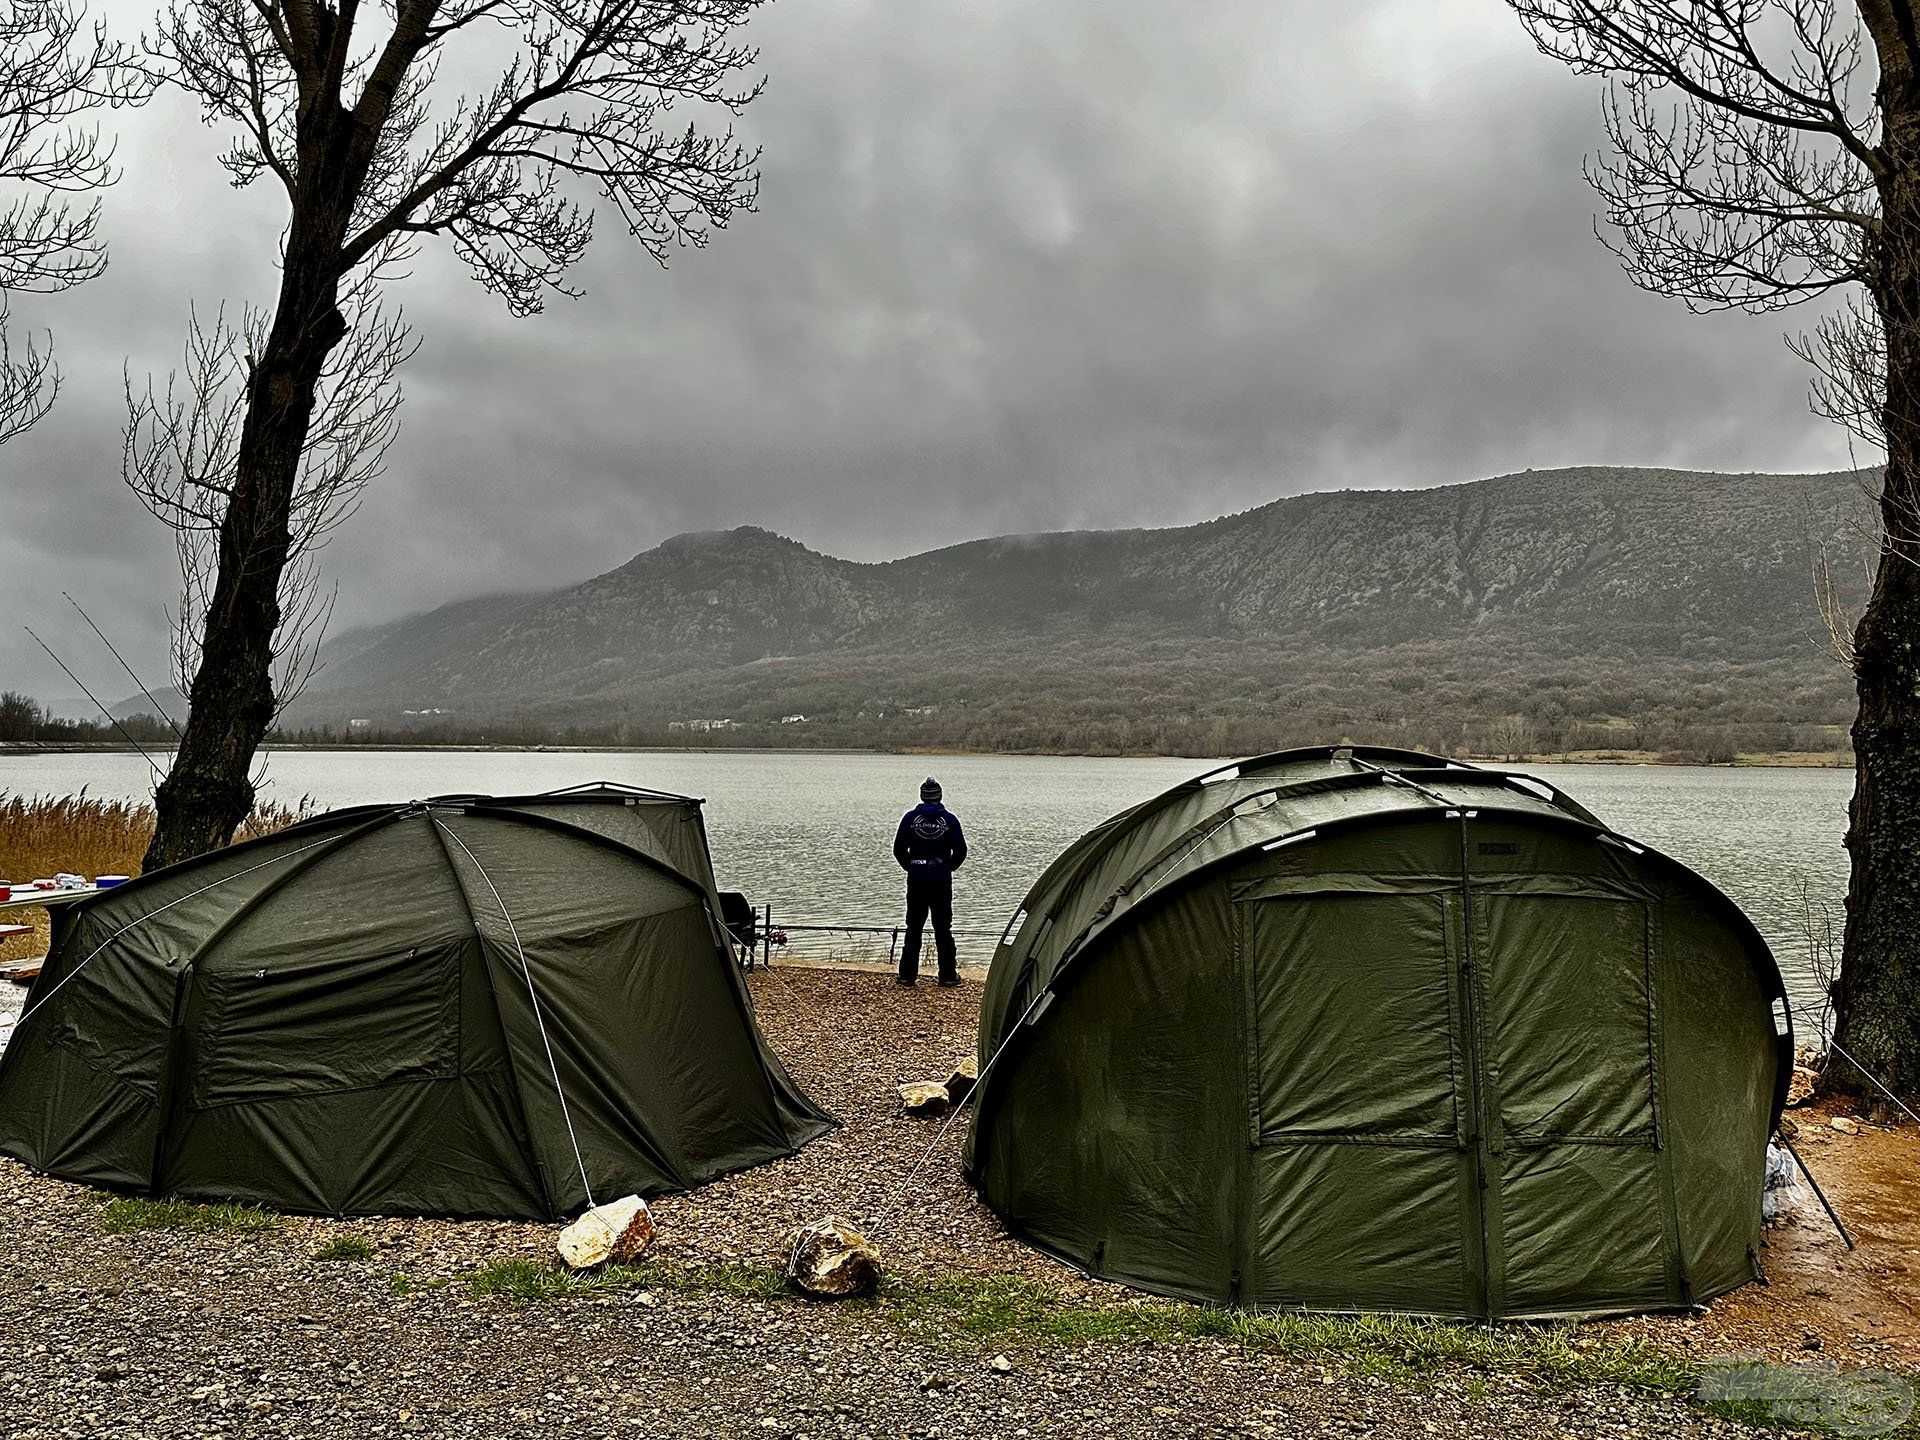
x,y
1681,573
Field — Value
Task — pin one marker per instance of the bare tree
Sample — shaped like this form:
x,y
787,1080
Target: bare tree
x,y
54,68
180,454
1513,737
1763,153
344,108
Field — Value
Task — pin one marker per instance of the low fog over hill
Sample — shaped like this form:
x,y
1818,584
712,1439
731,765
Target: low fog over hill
x,y
1644,603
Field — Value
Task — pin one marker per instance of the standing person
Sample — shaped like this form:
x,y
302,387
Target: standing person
x,y
930,847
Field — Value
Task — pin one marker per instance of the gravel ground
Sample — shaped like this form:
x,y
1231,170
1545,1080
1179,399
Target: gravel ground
x,y
163,1333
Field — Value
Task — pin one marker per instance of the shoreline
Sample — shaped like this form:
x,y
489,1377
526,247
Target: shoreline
x,y
1759,760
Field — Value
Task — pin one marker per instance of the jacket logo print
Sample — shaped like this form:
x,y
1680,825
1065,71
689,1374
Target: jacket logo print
x,y
929,827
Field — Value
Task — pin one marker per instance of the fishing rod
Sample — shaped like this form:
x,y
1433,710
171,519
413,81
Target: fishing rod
x,y
158,772
161,709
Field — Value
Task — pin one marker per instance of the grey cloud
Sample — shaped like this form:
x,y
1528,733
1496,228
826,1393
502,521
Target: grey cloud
x,y
1019,264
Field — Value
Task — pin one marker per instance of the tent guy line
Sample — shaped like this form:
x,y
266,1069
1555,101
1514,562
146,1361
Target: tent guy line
x,y
339,1035
891,1202
1875,1078
533,996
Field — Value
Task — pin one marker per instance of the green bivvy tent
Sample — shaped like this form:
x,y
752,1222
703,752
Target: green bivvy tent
x,y
1364,1029
461,1006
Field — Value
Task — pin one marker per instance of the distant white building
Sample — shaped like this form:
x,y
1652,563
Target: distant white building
x,y
700,727
793,719
359,724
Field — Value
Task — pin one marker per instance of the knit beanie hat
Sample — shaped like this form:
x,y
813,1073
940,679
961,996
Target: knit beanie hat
x,y
929,791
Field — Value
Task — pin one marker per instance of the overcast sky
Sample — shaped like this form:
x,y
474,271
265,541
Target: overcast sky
x,y
1017,265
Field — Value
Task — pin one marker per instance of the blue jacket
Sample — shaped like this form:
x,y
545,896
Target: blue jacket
x,y
929,844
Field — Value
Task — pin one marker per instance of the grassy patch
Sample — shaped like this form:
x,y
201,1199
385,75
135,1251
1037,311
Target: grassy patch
x,y
345,1247
539,1280
1002,1310
1556,1357
407,1284
1391,1346
131,1213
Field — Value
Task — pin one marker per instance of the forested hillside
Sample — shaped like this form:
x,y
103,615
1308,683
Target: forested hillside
x,y
1640,608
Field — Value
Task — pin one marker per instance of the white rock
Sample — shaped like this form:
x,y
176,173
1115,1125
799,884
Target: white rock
x,y
613,1233
925,1097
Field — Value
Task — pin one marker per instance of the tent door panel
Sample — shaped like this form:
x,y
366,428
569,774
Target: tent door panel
x,y
1567,1018
1335,1227
1565,1027
1359,1166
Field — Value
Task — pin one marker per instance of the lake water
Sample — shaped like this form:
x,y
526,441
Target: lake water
x,y
812,833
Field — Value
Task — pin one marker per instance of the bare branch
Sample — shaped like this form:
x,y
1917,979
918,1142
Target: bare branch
x,y
587,96
181,449
29,382
259,450
1743,142
54,69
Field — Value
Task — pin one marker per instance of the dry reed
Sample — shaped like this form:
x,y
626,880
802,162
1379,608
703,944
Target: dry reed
x,y
40,836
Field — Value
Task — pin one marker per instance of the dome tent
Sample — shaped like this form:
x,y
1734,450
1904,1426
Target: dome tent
x,y
457,1006
1368,1029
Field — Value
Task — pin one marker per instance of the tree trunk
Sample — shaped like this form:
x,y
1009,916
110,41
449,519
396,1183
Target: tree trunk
x,y
209,789
1878,1001
1878,992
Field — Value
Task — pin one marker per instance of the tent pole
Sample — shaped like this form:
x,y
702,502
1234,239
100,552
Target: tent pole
x,y
1825,1204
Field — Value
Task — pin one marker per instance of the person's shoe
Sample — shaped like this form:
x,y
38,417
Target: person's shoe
x,y
949,982
904,983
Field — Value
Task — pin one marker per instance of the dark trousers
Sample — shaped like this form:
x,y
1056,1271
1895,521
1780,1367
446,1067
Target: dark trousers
x,y
929,897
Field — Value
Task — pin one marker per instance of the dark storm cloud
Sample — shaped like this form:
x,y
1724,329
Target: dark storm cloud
x,y
1017,266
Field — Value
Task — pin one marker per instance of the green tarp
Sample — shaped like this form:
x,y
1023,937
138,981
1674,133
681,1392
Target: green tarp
x,y
1370,1030
463,1006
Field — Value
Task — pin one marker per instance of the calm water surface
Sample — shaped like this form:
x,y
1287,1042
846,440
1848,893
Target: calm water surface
x,y
812,833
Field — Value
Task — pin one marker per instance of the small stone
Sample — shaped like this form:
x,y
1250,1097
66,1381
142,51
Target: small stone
x,y
1001,1363
964,1077
1846,1124
925,1097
